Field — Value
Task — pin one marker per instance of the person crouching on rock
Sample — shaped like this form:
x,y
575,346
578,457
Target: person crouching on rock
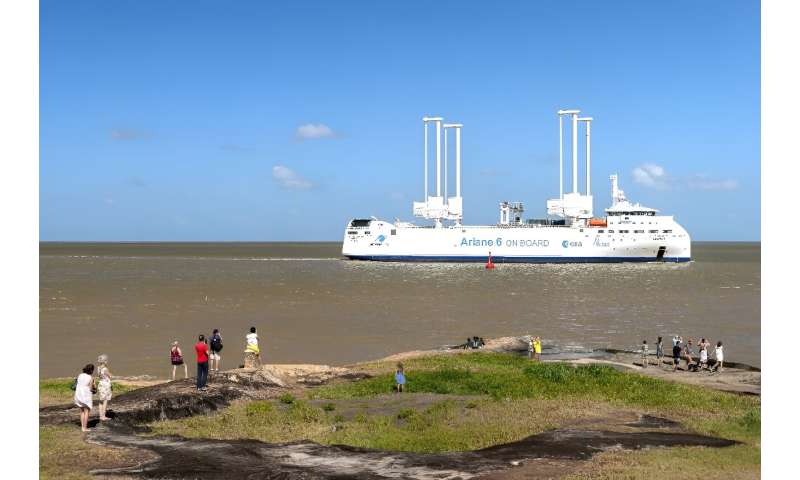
x,y
176,359
201,350
84,388
252,354
399,378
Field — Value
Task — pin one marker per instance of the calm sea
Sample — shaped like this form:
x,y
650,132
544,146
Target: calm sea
x,y
131,300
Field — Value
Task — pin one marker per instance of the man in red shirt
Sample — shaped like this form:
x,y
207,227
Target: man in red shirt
x,y
201,350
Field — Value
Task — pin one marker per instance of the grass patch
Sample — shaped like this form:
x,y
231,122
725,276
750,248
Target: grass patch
x,y
518,398
64,455
57,390
509,376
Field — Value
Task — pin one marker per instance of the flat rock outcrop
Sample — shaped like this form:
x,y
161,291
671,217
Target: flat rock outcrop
x,y
182,458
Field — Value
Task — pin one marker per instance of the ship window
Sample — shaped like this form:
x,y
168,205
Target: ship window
x,y
601,231
360,222
581,229
352,232
638,231
393,232
653,231
667,231
624,231
611,231
366,233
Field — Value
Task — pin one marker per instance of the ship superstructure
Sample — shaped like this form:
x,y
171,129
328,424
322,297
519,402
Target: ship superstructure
x,y
628,233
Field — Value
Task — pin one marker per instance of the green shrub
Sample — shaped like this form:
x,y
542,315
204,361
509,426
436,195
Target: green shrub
x,y
286,398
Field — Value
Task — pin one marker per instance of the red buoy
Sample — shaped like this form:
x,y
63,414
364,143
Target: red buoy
x,y
489,264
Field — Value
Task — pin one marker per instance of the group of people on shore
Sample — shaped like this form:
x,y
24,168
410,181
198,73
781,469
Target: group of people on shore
x,y
207,353
534,348
686,350
86,386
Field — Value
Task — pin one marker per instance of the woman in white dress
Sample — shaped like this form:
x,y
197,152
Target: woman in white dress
x,y
103,385
83,394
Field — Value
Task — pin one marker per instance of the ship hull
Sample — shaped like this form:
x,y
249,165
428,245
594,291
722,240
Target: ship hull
x,y
383,241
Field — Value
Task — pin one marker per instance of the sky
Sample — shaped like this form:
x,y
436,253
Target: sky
x,y
273,121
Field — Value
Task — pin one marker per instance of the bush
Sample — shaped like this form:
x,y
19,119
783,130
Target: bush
x,y
286,398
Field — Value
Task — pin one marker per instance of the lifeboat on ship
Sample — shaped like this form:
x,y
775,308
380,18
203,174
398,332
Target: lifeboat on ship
x,y
598,222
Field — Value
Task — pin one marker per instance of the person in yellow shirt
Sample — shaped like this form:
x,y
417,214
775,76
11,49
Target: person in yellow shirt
x,y
537,348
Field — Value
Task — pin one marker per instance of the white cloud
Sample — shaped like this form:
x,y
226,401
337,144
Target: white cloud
x,y
650,175
654,176
287,178
310,130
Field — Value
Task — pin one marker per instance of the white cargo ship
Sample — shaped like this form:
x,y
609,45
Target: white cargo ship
x,y
629,232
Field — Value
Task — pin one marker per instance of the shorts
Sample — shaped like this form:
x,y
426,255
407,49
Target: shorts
x,y
177,362
213,356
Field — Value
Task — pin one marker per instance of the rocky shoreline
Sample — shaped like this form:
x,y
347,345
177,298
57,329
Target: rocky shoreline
x,y
179,457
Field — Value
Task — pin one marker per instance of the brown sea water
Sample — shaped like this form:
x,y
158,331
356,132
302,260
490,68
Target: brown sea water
x,y
130,300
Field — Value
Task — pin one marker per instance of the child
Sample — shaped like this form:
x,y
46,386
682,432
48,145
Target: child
x,y
659,352
703,355
537,348
718,354
399,378
530,347
645,349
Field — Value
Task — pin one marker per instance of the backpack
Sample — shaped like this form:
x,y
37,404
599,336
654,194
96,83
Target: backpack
x,y
216,343
175,356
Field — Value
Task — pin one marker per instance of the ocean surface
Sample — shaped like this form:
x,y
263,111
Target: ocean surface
x,y
131,300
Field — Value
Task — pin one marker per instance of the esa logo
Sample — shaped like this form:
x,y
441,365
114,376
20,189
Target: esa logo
x,y
567,244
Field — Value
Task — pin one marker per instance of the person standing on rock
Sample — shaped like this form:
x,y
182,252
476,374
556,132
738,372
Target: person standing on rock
x,y
252,354
659,351
216,347
84,388
676,353
537,349
644,354
176,359
689,350
201,350
103,385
